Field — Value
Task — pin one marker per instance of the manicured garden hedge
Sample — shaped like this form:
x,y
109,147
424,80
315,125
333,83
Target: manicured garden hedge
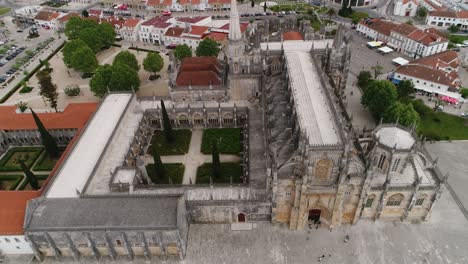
x,y
173,170
34,154
229,140
40,178
228,170
14,179
180,145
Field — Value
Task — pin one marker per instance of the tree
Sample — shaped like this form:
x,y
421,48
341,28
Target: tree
x,y
182,51
73,27
99,84
47,140
331,13
378,97
377,69
207,47
106,33
69,48
215,165
252,3
464,92
453,28
405,114
166,124
85,13
438,104
264,6
364,79
124,78
90,36
153,62
29,176
159,169
127,58
404,89
48,90
421,12
84,60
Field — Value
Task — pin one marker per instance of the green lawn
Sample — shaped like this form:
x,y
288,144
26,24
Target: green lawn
x,y
173,170
4,10
40,178
227,170
9,182
356,16
180,145
457,38
45,163
9,161
443,126
229,140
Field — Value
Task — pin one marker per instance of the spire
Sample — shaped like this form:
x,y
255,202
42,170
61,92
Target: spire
x,y
234,24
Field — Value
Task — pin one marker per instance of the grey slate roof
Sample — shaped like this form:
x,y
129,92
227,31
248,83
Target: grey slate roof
x,y
116,213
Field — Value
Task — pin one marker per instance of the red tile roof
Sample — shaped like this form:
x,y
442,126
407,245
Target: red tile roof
x,y
199,71
219,1
407,1
153,2
187,2
462,14
243,26
74,116
174,32
46,15
292,35
436,7
428,74
192,20
217,36
67,17
94,12
447,13
12,210
405,29
131,22
159,22
198,30
379,25
440,60
167,3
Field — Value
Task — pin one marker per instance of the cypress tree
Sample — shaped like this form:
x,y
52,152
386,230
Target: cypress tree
x,y
47,140
216,165
166,124
159,169
29,176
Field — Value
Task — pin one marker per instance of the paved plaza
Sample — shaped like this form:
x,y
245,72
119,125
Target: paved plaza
x,y
194,158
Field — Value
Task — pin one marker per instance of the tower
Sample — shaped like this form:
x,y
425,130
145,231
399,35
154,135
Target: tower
x,y
236,43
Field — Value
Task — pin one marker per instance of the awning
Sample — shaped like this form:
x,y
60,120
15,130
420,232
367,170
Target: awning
x,y
385,50
400,61
374,44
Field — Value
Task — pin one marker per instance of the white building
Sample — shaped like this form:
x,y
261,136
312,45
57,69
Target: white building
x,y
407,39
153,30
448,18
14,245
432,5
436,74
48,19
405,8
129,30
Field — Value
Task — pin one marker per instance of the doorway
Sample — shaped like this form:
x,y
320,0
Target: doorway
x,y
241,218
314,215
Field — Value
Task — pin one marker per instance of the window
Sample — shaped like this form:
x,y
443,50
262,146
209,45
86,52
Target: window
x,y
381,161
370,201
395,200
7,240
395,164
288,194
419,201
17,240
118,243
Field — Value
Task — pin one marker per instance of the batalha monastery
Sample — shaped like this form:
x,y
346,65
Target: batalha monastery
x,y
302,162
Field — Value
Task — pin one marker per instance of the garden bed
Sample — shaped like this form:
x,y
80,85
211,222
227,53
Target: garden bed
x,y
180,145
45,163
26,186
173,170
9,182
9,161
229,140
228,170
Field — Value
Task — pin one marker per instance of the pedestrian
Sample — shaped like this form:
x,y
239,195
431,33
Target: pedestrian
x,y
346,238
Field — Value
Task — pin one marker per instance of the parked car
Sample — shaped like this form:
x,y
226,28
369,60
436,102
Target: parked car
x,y
464,114
172,46
10,71
166,13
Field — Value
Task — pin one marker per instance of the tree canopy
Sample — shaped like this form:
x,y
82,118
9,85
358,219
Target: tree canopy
x,y
405,114
404,89
182,51
100,81
378,97
127,58
84,60
363,79
69,48
153,62
207,47
96,36
123,78
453,28
377,69
48,90
421,12
90,36
107,34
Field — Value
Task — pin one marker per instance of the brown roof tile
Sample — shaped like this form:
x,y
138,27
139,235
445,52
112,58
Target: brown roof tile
x,y
292,35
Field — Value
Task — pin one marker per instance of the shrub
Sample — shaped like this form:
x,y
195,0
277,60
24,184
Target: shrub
x,y
72,90
22,106
464,92
25,89
421,108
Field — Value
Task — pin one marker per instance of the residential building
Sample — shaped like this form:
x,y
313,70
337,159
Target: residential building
x,y
26,14
129,30
432,5
405,8
47,19
407,39
448,18
195,21
436,74
218,5
153,30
